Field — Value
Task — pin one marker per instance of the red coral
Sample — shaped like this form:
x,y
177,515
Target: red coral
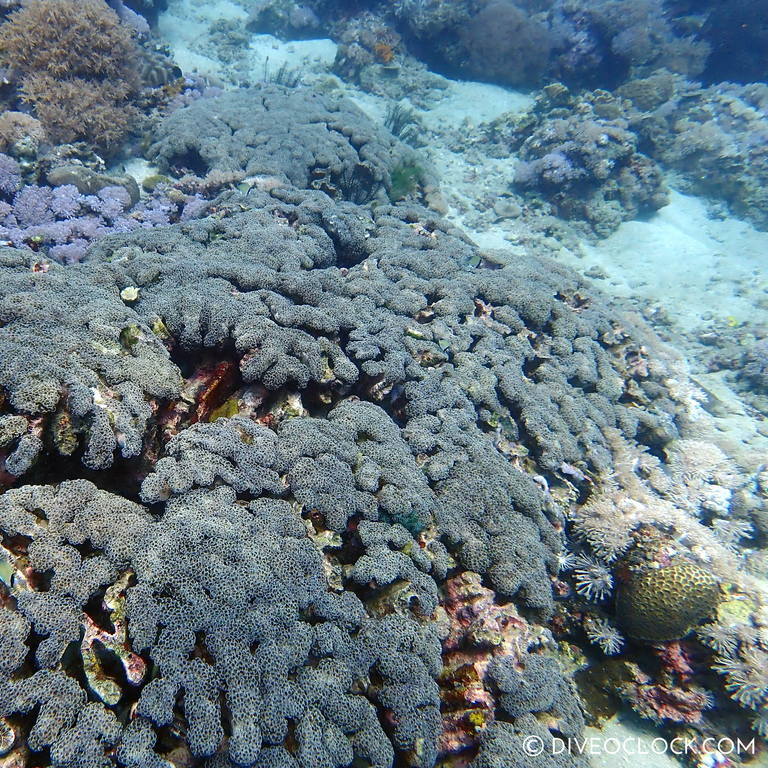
x,y
660,703
676,658
208,388
479,630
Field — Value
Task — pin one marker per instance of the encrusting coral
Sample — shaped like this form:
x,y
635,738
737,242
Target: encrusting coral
x,y
286,485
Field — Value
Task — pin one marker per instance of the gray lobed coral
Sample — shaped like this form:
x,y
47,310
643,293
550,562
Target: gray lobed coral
x,y
262,641
297,135
241,610
231,606
405,319
68,341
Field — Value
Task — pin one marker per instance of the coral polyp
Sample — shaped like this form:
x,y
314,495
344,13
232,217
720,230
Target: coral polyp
x,y
592,578
603,634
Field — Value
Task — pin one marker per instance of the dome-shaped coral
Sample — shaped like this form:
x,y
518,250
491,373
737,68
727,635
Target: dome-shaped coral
x,y
665,603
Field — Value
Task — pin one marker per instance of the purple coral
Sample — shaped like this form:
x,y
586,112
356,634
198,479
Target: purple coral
x,y
63,222
65,201
32,206
10,175
553,169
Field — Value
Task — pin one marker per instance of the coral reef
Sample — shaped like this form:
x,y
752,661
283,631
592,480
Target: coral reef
x,y
715,136
608,41
505,44
59,222
367,46
288,466
668,534
296,135
581,151
320,402
283,18
741,351
579,41
99,388
755,367
75,61
584,161
20,134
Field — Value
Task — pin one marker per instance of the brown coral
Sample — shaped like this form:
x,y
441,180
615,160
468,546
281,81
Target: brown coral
x,y
20,134
76,63
665,603
102,117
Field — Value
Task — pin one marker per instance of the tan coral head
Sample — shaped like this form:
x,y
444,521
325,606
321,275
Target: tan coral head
x,y
666,603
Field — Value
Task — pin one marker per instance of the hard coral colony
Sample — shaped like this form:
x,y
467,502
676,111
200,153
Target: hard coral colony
x,y
292,473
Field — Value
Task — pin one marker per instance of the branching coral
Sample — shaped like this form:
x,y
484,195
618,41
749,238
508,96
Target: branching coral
x,y
76,63
642,504
60,222
715,136
104,115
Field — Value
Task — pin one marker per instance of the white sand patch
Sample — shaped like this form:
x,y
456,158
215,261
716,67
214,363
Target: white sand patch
x,y
698,268
270,54
636,745
139,168
468,104
184,27
700,271
461,104
209,12
631,742
736,431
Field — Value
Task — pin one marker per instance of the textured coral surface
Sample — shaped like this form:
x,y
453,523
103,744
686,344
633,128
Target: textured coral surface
x,y
306,478
294,417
